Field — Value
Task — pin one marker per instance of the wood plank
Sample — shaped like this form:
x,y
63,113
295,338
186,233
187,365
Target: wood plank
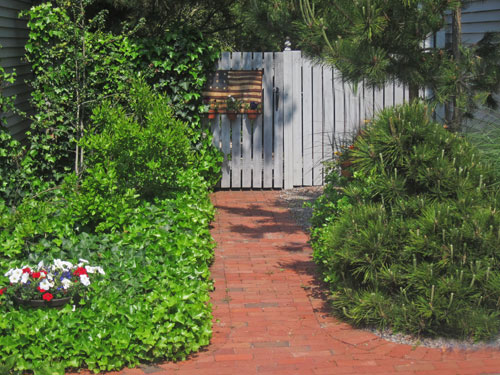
x,y
339,115
268,109
481,6
14,4
13,23
11,52
224,64
226,150
288,118
378,100
389,94
317,91
236,64
6,12
257,152
13,42
352,112
307,113
399,93
278,121
297,134
329,108
19,34
246,145
214,125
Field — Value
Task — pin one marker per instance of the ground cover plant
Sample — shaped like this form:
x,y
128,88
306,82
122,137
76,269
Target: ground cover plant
x,y
412,240
140,210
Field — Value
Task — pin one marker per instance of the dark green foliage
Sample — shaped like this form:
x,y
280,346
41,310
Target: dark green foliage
x,y
175,63
417,249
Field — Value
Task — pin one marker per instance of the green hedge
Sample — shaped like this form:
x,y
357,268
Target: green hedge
x,y
412,242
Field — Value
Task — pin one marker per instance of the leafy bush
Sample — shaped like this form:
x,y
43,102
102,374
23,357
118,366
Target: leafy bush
x,y
417,249
75,65
153,302
146,150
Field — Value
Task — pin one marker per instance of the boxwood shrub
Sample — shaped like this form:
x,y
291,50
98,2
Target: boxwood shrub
x,y
412,242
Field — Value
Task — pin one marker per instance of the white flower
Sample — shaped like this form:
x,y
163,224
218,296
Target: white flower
x,y
83,260
85,280
40,265
14,275
91,269
66,283
25,277
74,308
62,265
46,285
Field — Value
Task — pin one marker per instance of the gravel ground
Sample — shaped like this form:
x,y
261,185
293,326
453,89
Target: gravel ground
x,y
295,199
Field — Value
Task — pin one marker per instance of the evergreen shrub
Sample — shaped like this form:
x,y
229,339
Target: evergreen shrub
x,y
413,240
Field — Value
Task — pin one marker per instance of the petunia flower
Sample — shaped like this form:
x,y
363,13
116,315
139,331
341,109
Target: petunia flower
x,y
85,280
47,297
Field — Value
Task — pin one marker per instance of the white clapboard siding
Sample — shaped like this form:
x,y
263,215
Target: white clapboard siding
x,y
13,37
308,113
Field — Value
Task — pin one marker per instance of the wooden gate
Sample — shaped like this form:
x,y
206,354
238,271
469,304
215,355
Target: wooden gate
x,y
306,111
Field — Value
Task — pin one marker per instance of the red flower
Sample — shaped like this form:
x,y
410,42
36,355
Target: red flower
x,y
36,275
26,270
40,290
80,271
351,147
47,296
2,290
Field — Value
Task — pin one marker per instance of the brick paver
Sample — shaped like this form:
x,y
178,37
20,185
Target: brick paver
x,y
270,317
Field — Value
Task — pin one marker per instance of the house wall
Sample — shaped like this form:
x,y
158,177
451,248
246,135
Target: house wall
x,y
13,36
478,17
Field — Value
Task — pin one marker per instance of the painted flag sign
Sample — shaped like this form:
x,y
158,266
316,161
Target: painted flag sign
x,y
242,85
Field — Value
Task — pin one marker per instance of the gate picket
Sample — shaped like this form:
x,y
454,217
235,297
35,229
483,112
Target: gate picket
x,y
308,121
225,64
257,63
268,108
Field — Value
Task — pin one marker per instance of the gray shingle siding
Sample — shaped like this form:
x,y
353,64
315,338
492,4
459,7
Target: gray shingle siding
x,y
13,36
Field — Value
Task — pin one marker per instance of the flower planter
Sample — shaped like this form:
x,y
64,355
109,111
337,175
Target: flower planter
x,y
252,114
232,115
211,114
38,303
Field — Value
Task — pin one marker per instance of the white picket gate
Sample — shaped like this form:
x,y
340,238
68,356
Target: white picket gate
x,y
306,110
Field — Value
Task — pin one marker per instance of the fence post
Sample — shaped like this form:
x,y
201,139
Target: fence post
x,y
288,116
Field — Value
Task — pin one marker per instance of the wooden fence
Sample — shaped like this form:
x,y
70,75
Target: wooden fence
x,y
307,112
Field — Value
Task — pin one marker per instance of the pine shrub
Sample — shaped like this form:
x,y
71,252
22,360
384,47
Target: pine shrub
x,y
418,249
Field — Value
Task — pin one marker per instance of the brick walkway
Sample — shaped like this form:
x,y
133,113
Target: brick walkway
x,y
270,315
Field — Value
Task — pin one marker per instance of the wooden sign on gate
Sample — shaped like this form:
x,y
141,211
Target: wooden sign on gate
x,y
242,85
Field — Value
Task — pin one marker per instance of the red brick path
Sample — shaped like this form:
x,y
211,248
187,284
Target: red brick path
x,y
270,315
